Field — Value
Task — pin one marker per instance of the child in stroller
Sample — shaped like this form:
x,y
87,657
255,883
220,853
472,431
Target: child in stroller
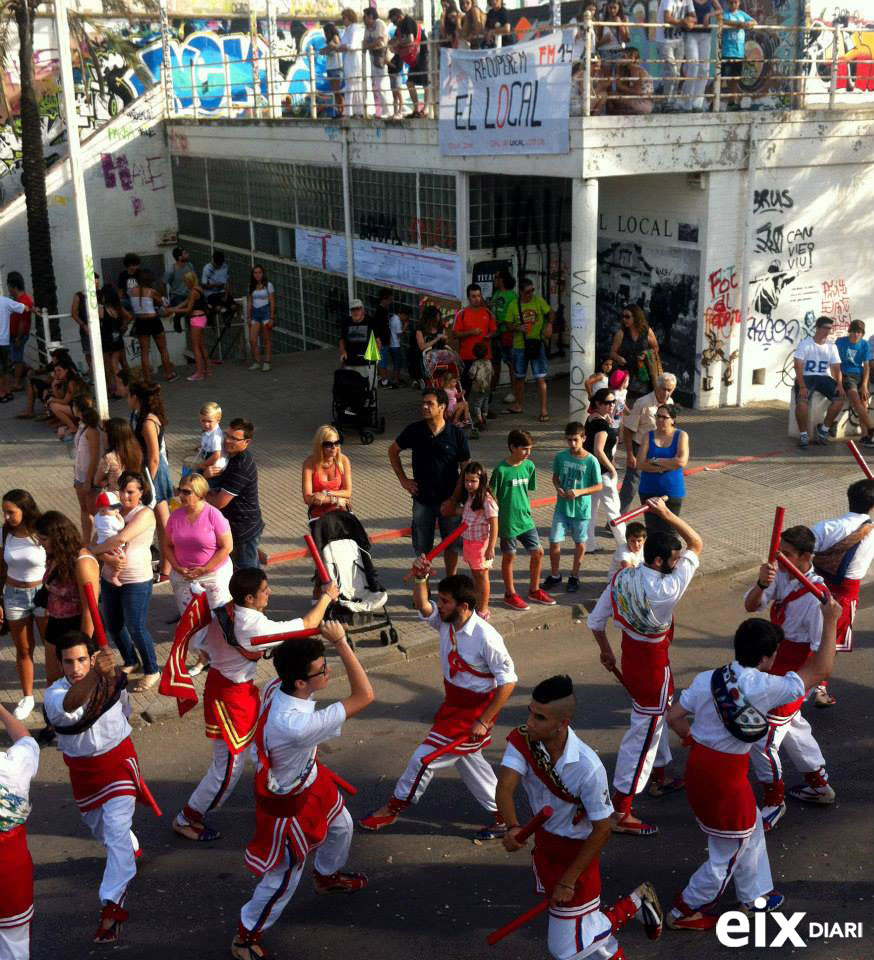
x,y
443,370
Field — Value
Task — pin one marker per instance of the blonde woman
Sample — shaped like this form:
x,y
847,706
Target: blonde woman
x,y
326,479
195,308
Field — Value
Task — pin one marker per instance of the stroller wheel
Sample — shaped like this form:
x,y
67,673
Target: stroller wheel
x,y
381,427
392,635
366,437
383,638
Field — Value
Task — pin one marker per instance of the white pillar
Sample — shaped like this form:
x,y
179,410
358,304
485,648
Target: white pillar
x,y
166,63
744,278
462,230
584,265
347,216
80,205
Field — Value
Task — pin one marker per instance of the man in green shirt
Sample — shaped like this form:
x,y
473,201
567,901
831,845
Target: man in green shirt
x,y
503,296
530,318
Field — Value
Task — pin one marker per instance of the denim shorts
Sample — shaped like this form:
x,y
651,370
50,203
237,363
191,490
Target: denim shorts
x,y
529,539
424,517
163,483
577,527
539,366
261,314
16,351
18,603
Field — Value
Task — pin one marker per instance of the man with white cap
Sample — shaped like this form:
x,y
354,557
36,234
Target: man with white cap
x,y
355,335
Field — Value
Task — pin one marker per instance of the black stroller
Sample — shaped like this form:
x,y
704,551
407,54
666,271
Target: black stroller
x,y
345,550
355,401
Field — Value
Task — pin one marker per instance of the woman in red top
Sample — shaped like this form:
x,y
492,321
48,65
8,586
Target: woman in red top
x,y
326,479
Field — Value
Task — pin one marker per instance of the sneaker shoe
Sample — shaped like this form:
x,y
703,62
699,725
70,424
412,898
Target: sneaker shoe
x,y
551,581
692,921
383,382
339,882
254,365
265,367
821,435
650,912
509,398
635,827
573,584
823,794
803,440
515,602
868,441
541,596
822,698
195,376
771,816
24,708
767,904
494,831
474,433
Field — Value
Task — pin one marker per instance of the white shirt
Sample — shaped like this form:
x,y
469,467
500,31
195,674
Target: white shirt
x,y
211,442
107,525
7,308
25,559
293,731
817,357
395,328
103,735
662,591
803,623
762,690
581,771
213,276
353,37
830,532
18,766
261,296
248,623
678,9
481,647
641,417
623,555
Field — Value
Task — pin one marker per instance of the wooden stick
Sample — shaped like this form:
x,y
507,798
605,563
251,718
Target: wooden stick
x,y
630,515
280,637
321,569
99,632
817,590
536,821
863,463
776,533
514,925
444,543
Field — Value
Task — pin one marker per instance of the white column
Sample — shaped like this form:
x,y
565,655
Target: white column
x,y
166,64
272,64
80,204
462,229
584,265
347,216
747,246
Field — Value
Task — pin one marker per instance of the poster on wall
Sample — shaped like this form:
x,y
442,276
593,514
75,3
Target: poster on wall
x,y
663,280
509,100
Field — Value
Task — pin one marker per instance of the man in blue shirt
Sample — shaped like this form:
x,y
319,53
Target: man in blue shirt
x,y
733,43
855,354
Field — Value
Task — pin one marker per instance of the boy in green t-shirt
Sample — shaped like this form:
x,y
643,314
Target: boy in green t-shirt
x,y
576,475
512,480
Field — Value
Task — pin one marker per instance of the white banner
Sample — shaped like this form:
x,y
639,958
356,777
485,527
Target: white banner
x,y
510,100
428,271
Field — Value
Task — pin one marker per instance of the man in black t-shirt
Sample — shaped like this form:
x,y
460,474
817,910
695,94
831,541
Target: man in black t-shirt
x,y
355,335
409,45
498,25
440,453
234,491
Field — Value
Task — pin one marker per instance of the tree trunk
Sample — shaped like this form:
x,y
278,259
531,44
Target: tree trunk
x,y
33,168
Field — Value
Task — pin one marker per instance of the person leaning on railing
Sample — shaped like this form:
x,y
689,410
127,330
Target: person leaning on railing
x,y
334,67
610,41
410,46
376,43
634,87
473,25
353,62
734,50
697,41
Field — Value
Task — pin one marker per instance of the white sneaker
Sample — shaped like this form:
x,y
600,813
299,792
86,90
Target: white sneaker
x,y
255,365
265,367
509,398
24,708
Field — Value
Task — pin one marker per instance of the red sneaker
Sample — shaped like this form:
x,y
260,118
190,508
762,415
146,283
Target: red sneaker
x,y
541,596
339,882
694,921
373,822
515,602
629,823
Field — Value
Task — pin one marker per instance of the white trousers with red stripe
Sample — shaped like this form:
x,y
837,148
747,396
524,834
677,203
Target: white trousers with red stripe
x,y
573,938
644,746
745,860
796,739
220,779
277,886
473,768
110,824
15,942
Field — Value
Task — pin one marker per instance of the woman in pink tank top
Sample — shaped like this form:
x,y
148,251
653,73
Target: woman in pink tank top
x,y
326,479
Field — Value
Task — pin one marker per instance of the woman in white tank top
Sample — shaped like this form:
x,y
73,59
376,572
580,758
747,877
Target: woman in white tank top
x,y
145,301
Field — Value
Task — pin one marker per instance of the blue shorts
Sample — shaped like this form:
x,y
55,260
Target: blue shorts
x,y
824,385
18,603
424,517
383,358
529,539
261,314
16,350
577,527
539,366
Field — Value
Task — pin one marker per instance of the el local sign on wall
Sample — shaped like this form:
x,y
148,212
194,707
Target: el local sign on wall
x,y
510,100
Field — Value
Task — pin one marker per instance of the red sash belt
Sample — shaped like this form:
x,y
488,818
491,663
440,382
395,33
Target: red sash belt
x,y
719,791
552,855
16,879
115,773
647,673
230,711
460,709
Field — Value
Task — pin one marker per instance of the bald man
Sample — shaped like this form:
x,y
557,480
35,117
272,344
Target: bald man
x,y
557,769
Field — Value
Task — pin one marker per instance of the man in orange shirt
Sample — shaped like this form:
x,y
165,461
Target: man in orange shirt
x,y
474,324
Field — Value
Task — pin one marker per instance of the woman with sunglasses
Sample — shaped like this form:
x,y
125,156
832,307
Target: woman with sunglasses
x,y
667,454
636,350
326,479
601,437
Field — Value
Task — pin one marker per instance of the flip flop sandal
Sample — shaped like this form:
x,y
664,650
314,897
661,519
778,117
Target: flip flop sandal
x,y
205,834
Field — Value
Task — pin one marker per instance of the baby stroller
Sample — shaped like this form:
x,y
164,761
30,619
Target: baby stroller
x,y
355,401
436,364
345,549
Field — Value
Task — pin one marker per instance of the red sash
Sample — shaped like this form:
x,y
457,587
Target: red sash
x,y
719,791
647,673
552,783
411,50
115,773
175,681
847,593
457,664
230,711
16,879
778,607
458,712
790,657
552,855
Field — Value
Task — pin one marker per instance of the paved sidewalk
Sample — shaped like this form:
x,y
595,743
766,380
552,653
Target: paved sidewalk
x,y
742,465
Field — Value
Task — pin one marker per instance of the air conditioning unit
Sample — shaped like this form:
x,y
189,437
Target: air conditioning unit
x,y
166,238
698,180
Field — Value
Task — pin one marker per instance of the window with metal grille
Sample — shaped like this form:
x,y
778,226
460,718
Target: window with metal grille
x,y
228,189
193,223
437,211
273,191
269,238
325,304
510,211
189,181
319,197
384,206
231,231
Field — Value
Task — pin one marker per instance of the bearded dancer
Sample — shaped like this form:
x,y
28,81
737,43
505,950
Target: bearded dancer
x,y
844,551
557,769
478,678
642,600
89,709
297,804
18,766
230,698
729,708
799,616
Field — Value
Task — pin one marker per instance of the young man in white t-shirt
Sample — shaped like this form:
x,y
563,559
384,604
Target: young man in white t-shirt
x,y
818,367
672,16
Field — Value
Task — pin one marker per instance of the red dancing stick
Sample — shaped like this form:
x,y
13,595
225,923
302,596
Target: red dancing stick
x,y
150,800
776,533
860,460
630,515
321,569
616,673
536,821
447,748
444,543
514,925
344,785
818,591
279,637
99,632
